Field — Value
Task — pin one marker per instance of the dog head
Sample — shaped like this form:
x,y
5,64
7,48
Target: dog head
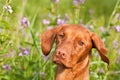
x,y
73,43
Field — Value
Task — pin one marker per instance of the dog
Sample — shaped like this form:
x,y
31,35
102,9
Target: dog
x,y
73,50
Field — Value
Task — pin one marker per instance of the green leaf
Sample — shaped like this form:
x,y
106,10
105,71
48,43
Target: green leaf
x,y
5,25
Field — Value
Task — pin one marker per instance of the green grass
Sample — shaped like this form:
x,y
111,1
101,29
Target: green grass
x,y
16,38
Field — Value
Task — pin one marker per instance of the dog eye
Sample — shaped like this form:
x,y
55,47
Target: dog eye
x,y
61,35
81,43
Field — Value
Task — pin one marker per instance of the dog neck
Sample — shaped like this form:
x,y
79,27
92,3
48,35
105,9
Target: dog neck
x,y
79,72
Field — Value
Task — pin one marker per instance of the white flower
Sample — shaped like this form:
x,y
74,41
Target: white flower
x,y
8,8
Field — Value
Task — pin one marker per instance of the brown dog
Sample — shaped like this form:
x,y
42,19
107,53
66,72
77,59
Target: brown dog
x,y
73,50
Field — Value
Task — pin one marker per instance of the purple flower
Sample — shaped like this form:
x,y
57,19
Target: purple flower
x,y
25,22
46,22
117,28
77,2
56,1
24,51
82,1
101,70
60,21
115,43
91,11
6,67
102,29
118,59
119,51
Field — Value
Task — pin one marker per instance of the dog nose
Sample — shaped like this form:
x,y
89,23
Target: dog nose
x,y
61,54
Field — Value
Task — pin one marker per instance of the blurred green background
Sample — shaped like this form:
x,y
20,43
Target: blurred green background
x,y
23,21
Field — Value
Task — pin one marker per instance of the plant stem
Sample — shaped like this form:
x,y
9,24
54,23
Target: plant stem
x,y
111,72
113,13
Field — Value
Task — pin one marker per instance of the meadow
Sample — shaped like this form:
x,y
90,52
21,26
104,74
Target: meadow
x,y
23,21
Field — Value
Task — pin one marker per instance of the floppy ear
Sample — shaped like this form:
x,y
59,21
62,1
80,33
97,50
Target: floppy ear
x,y
47,40
99,45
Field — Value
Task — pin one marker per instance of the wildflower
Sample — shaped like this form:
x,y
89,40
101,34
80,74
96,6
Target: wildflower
x,y
46,22
115,43
60,21
8,8
82,1
20,54
25,22
117,28
119,51
24,51
56,1
118,60
102,29
77,2
101,70
6,67
91,11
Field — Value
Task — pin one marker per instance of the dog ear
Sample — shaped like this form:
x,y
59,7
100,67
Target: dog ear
x,y
100,46
47,40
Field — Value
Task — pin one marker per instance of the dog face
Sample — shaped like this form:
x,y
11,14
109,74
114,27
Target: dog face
x,y
73,44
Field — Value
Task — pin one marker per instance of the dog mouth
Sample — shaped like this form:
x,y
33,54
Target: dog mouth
x,y
62,62
57,62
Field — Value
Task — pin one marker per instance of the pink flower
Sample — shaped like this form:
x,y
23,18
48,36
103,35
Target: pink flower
x,y
115,43
117,28
77,2
119,51
46,22
60,21
118,60
91,11
6,67
64,20
101,70
102,29
56,1
24,51
25,22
